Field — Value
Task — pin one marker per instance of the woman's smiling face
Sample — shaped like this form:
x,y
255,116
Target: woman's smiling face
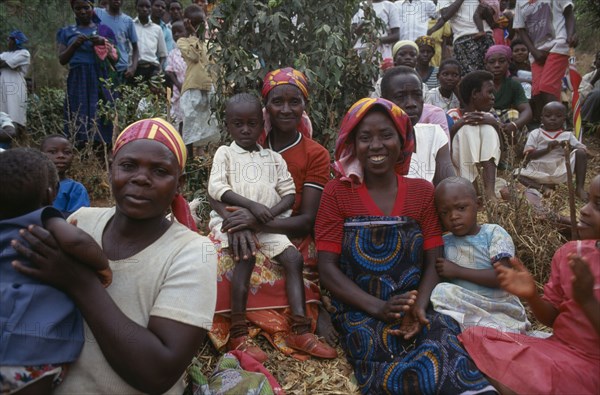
x,y
285,105
144,176
376,143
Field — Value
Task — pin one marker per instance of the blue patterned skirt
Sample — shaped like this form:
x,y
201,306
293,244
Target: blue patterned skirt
x,y
84,89
384,256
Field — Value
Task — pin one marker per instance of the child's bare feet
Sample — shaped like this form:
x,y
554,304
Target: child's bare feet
x,y
325,327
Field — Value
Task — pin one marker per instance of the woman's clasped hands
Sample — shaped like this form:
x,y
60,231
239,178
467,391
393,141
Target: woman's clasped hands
x,y
403,307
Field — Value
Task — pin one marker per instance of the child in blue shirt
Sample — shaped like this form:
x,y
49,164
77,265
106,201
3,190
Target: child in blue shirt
x,y
42,330
71,195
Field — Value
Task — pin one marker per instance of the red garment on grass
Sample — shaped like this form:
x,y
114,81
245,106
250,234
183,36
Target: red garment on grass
x,y
568,362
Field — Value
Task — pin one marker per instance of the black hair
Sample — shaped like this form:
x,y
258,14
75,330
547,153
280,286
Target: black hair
x,y
174,1
244,97
154,1
517,41
52,136
449,62
472,82
393,72
193,11
26,176
462,182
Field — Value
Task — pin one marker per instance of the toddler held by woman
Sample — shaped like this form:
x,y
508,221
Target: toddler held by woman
x,y
42,330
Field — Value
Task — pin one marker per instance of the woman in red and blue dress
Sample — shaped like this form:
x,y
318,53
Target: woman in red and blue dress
x,y
378,236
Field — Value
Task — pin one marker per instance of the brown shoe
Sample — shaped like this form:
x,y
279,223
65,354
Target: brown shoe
x,y
310,344
247,345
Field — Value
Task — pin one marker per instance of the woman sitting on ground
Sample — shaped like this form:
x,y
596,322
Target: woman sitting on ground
x,y
288,131
378,237
145,328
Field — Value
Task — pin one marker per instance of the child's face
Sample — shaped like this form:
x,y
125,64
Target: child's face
x,y
589,215
497,64
520,53
553,116
457,209
60,152
449,77
244,123
483,100
178,31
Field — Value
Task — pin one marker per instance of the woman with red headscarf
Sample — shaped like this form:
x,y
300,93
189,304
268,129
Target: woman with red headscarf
x,y
145,328
287,131
378,237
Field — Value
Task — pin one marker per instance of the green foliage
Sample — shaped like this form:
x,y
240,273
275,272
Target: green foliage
x,y
39,20
45,113
587,13
134,102
255,37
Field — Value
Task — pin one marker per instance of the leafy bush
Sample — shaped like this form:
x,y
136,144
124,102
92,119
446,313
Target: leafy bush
x,y
254,37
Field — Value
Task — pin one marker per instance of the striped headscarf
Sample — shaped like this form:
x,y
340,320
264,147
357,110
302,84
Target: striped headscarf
x,y
346,165
285,76
159,130
403,43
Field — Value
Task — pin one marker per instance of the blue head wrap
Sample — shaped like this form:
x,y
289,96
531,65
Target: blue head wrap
x,y
19,38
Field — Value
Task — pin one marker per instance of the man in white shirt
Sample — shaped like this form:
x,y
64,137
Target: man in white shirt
x,y
151,42
386,11
414,17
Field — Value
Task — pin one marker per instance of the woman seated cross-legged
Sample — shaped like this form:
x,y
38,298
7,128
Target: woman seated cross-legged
x,y
378,237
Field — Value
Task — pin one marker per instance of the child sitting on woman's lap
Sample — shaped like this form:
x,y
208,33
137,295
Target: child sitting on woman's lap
x,y
472,295
30,358
544,150
246,175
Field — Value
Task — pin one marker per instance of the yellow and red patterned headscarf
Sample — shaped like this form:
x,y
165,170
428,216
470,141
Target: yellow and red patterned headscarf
x,y
425,40
154,129
346,165
285,76
159,130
